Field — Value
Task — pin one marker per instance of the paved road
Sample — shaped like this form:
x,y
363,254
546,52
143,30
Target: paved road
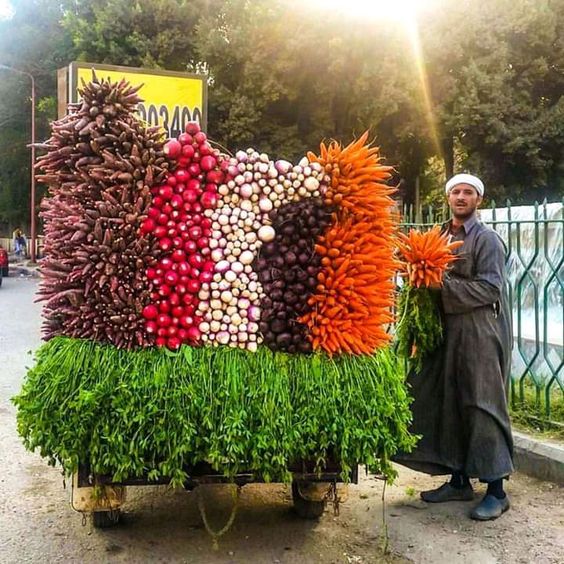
x,y
37,524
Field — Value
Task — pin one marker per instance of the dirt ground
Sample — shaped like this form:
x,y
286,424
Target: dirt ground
x,y
163,525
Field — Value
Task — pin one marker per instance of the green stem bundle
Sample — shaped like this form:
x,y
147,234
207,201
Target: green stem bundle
x,y
153,412
419,330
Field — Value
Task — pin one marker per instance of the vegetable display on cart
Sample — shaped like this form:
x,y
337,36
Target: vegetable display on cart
x,y
202,308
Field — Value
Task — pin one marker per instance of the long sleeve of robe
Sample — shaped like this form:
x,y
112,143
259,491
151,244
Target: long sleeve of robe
x,y
460,405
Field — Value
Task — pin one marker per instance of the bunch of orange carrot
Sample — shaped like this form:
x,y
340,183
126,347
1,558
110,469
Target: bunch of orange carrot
x,y
351,306
353,301
357,178
427,256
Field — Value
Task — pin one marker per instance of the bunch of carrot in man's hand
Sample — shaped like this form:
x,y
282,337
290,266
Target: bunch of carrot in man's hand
x,y
427,256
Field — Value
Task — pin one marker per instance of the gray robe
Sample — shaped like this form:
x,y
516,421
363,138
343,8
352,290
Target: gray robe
x,y
460,396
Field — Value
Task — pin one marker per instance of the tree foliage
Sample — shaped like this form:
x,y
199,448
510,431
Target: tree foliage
x,y
284,75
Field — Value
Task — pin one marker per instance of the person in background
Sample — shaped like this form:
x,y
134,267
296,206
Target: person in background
x,y
20,243
460,396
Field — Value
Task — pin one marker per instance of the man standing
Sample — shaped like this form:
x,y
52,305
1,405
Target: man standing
x,y
460,405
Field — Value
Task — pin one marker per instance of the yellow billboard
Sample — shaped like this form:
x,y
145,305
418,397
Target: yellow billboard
x,y
170,99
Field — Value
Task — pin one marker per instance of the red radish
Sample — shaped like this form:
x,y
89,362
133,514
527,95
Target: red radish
x,y
148,226
160,231
162,332
176,201
153,213
174,300
178,255
161,342
202,242
196,261
200,137
185,139
193,333
188,151
164,307
163,320
187,299
180,289
182,175
195,232
166,192
151,327
165,244
190,196
194,169
177,311
194,184
171,278
172,149
208,200
164,290
186,321
193,286
171,180
173,343
158,202
207,163
182,335
209,266
162,219
192,127
190,246
166,263
205,277
150,312
183,269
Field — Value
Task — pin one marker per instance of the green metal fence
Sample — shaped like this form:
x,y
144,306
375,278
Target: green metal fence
x,y
535,264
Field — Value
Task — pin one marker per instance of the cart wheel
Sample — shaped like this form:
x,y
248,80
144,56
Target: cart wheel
x,y
106,519
306,508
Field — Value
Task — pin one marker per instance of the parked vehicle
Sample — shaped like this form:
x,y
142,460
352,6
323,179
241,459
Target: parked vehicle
x,y
4,266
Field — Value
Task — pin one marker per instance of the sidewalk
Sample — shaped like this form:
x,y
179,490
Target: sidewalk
x,y
22,267
539,458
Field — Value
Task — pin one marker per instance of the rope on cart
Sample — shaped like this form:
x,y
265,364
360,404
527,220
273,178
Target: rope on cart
x,y
235,494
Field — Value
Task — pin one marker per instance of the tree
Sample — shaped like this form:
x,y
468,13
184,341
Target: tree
x,y
498,91
38,46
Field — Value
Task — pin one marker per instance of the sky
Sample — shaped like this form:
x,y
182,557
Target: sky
x,y
5,9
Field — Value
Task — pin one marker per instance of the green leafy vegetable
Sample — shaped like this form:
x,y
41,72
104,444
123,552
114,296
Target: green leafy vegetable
x,y
419,330
150,412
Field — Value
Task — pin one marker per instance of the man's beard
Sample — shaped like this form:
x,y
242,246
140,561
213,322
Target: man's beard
x,y
465,214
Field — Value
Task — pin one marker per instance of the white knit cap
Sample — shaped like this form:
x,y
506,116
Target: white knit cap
x,y
465,179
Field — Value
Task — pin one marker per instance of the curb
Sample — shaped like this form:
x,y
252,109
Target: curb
x,y
540,459
17,271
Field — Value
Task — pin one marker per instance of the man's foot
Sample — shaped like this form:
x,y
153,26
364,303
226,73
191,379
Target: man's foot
x,y
490,508
448,493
